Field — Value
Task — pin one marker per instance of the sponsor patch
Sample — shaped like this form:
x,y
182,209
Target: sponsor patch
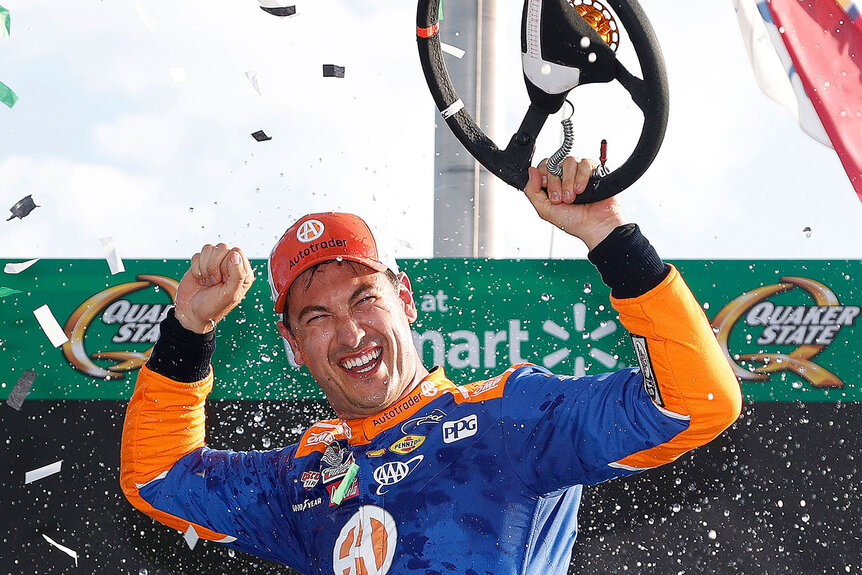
x,y
399,409
650,384
407,444
376,453
366,543
435,416
428,388
330,474
352,491
394,471
310,479
333,455
307,504
460,428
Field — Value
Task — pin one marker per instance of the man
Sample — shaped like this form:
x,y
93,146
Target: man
x,y
417,474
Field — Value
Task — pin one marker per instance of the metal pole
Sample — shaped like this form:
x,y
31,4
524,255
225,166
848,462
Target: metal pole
x,y
463,189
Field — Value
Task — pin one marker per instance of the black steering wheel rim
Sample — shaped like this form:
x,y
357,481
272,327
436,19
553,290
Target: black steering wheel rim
x,y
649,93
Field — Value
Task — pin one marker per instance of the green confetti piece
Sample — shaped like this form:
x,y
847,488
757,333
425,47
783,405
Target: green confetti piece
x,y
5,22
7,96
338,495
4,291
440,11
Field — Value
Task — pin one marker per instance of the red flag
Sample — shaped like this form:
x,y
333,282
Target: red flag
x,y
824,43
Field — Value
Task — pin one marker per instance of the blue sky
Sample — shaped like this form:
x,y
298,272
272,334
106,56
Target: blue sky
x,y
108,144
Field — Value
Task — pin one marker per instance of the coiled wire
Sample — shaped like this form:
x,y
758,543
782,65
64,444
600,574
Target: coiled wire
x,y
555,162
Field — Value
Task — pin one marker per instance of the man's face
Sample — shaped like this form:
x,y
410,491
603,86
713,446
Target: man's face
x,y
351,328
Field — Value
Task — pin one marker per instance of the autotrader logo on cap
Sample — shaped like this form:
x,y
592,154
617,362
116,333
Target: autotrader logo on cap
x,y
309,231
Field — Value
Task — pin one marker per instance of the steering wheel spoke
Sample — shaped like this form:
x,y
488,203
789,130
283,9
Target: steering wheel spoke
x,y
635,86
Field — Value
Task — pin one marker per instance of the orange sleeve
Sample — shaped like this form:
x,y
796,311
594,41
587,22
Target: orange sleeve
x,y
693,377
164,422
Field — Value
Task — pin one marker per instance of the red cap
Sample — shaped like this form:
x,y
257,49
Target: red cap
x,y
318,238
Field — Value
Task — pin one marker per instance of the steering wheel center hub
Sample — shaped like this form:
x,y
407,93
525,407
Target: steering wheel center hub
x,y
600,19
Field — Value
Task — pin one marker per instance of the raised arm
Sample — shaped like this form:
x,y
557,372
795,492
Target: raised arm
x,y
598,427
166,470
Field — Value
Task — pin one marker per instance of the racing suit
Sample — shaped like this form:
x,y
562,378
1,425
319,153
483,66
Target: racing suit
x,y
475,479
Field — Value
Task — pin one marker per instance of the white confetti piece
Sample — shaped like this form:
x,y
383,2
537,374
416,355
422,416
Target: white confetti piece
x,y
62,548
252,78
449,49
113,257
50,326
178,75
191,536
145,16
42,472
17,268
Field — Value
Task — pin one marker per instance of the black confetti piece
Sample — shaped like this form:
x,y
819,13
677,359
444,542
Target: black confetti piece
x,y
261,136
333,71
22,208
22,388
280,11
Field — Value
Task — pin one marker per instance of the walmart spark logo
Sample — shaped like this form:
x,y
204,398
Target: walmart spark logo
x,y
603,330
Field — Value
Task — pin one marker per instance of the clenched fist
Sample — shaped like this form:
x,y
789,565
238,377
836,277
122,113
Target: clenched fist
x,y
217,280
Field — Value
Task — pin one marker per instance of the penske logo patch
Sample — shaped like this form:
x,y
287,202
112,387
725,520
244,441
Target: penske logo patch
x,y
650,384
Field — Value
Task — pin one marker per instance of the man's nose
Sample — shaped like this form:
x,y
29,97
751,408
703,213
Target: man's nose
x,y
349,332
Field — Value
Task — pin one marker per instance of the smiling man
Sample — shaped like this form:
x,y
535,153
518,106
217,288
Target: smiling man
x,y
346,312
418,474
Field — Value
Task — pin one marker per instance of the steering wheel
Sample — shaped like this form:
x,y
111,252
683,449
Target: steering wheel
x,y
560,51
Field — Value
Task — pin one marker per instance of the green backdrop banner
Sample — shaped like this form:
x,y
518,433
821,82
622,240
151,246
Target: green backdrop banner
x,y
788,327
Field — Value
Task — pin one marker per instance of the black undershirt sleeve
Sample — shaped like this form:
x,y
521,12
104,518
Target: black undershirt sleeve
x,y
628,263
180,354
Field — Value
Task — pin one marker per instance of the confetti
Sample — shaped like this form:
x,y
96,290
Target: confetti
x,y
114,260
252,78
455,51
145,16
4,291
19,392
7,96
24,206
178,75
338,495
191,536
17,268
276,8
261,136
42,472
5,22
62,548
333,71
50,326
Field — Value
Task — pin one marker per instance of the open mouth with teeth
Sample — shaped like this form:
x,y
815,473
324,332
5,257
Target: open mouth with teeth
x,y
363,363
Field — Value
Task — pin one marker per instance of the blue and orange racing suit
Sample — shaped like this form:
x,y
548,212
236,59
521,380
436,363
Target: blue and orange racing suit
x,y
475,479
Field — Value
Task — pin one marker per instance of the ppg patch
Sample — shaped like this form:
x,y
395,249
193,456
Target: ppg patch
x,y
650,385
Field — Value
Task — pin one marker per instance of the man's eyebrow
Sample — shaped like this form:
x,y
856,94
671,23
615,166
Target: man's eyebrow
x,y
364,287
319,308
310,309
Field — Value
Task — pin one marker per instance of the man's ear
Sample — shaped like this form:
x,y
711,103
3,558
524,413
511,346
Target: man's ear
x,y
291,341
405,292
